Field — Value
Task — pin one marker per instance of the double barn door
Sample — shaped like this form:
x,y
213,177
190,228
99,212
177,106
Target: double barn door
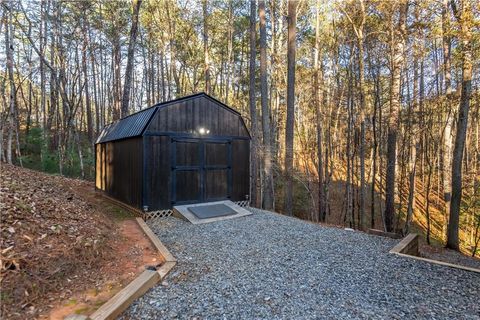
x,y
201,170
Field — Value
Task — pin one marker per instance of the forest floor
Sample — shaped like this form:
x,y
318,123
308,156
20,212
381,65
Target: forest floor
x,y
447,255
64,250
337,209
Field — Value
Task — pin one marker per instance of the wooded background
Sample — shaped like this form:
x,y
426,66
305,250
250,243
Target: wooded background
x,y
363,113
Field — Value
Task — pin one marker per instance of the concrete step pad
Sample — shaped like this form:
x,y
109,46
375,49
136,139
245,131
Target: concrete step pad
x,y
209,211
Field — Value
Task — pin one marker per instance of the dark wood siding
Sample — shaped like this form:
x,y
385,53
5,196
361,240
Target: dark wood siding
x,y
199,112
157,172
172,163
124,170
240,169
216,184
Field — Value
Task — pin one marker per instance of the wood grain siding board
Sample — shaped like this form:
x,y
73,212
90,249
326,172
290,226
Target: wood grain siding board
x,y
202,114
171,118
216,184
158,170
125,170
243,129
240,169
189,115
214,116
187,186
104,166
216,154
99,167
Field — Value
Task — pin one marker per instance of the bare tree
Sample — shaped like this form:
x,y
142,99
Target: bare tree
x,y
253,107
12,91
289,130
398,47
464,17
205,46
267,185
85,79
358,30
447,134
130,58
318,96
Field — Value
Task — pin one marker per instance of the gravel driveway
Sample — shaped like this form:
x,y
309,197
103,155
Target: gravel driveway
x,y
274,267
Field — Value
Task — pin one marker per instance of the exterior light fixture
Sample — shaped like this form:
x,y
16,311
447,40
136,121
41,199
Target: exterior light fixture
x,y
145,208
203,131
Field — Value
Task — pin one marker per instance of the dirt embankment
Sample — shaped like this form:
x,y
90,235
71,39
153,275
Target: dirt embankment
x,y
63,250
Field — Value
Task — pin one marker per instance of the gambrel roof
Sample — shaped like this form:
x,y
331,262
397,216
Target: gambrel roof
x,y
135,124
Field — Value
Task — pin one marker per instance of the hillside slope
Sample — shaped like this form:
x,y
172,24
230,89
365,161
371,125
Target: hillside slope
x,y
58,240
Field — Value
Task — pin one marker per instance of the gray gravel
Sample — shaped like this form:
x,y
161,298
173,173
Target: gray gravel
x,y
274,267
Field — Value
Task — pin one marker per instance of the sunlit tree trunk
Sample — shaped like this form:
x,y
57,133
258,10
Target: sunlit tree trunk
x,y
465,19
358,30
205,46
398,39
447,134
289,129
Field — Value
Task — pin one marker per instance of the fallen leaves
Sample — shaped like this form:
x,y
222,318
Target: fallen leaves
x,y
50,235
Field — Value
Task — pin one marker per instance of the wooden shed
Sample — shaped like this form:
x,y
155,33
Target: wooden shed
x,y
189,150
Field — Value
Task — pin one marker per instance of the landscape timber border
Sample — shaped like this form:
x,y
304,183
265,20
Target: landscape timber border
x,y
140,285
408,248
382,233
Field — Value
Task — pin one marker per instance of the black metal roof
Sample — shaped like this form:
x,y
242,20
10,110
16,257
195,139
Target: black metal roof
x,y
130,126
134,124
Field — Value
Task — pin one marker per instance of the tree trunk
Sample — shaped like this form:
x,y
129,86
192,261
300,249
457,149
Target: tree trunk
x,y
130,57
230,63
43,42
162,76
95,89
116,113
253,109
361,86
363,106
289,129
87,89
12,92
267,185
411,186
205,47
427,197
398,39
447,134
464,17
318,99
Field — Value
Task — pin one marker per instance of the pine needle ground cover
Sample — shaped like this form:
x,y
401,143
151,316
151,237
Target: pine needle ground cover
x,y
58,243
